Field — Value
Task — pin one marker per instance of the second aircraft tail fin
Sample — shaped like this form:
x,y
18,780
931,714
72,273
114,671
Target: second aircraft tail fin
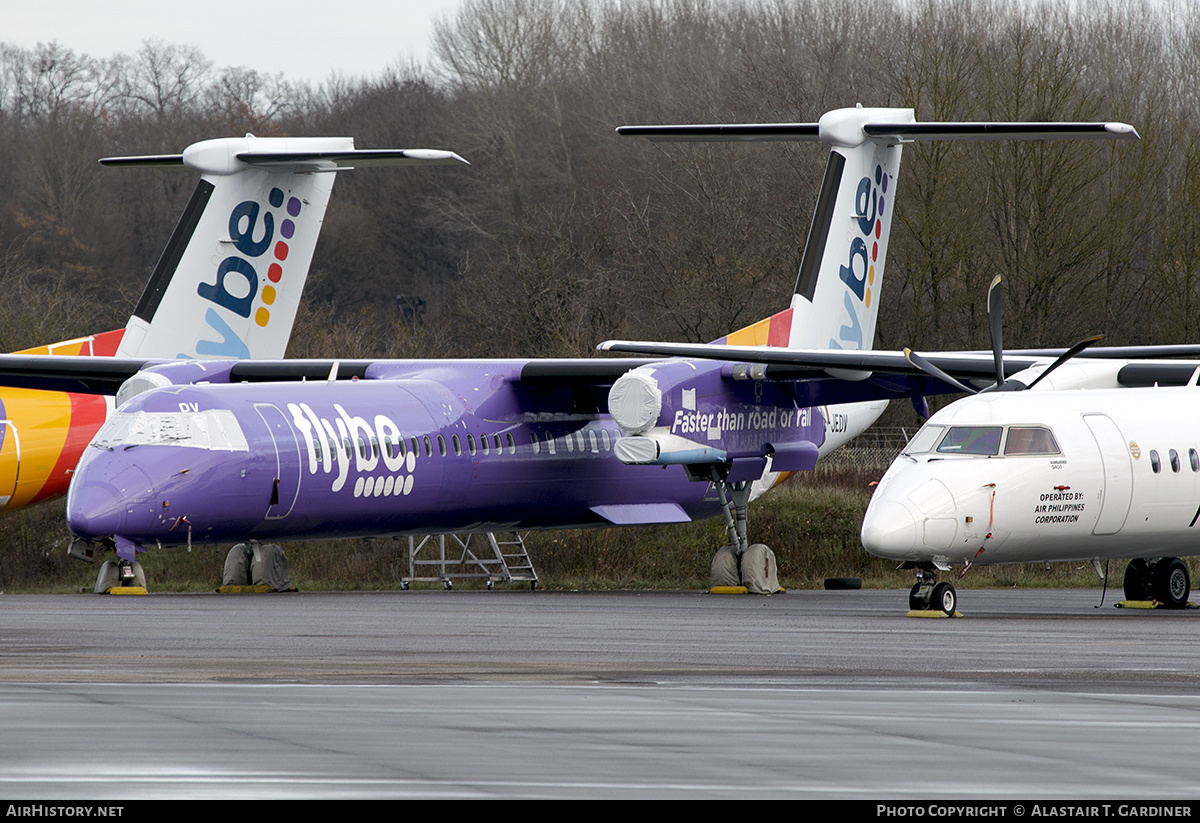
x,y
836,299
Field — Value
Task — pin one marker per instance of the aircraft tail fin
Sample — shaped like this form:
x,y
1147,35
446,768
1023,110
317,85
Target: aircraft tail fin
x,y
836,299
229,281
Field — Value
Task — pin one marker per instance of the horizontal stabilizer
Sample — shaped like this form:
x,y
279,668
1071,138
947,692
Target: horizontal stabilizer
x,y
906,132
853,127
146,161
230,155
748,132
357,158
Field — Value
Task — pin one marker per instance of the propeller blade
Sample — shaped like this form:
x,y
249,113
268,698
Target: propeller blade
x,y
994,328
1067,355
933,371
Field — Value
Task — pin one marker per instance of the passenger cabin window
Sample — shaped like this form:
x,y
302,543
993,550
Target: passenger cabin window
x,y
980,440
1155,463
1194,459
512,444
537,446
1174,461
1030,440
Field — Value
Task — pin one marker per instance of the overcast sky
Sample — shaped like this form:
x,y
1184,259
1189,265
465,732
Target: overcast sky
x,y
304,39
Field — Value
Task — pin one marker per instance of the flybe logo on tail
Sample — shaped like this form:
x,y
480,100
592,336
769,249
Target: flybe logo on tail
x,y
252,231
859,272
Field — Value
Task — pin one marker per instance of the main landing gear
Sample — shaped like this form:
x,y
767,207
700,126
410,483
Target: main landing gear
x,y
740,563
1165,580
928,594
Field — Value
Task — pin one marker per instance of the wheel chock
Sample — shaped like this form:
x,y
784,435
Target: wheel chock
x,y
932,613
729,590
1148,604
125,590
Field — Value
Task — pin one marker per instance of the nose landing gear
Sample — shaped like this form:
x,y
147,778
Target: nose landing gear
x,y
930,596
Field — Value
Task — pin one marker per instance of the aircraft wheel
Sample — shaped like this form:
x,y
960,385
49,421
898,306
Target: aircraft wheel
x,y
1137,580
945,598
915,602
1171,582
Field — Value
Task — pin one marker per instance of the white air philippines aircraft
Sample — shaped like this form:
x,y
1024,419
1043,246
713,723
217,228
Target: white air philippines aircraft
x,y
1083,454
1044,475
1100,460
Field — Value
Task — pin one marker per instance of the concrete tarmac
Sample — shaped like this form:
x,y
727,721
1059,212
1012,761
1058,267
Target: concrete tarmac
x,y
518,694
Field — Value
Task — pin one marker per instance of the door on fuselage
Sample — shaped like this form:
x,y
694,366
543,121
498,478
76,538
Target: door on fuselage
x,y
286,484
1116,493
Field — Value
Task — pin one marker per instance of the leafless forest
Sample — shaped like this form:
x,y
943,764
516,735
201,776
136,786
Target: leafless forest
x,y
561,234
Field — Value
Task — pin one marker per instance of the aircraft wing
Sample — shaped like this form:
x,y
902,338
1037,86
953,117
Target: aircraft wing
x,y
785,363
819,376
94,375
104,375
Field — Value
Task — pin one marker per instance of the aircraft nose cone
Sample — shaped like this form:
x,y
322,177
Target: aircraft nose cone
x,y
889,530
94,510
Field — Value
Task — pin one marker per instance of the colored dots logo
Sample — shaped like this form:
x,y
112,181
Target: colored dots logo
x,y
881,184
287,229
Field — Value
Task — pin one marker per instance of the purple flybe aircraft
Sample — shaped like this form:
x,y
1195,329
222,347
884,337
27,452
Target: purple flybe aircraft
x,y
230,451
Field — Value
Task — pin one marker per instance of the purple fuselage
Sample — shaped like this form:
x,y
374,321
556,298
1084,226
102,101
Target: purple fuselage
x,y
414,448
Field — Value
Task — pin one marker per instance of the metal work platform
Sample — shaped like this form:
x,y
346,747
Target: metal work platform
x,y
475,556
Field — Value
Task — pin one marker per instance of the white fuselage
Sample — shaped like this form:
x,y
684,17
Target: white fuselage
x,y
1118,477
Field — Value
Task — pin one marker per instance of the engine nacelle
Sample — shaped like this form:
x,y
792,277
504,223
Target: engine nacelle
x,y
175,373
681,412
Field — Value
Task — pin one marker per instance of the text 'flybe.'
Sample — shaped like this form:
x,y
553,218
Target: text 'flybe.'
x,y
369,444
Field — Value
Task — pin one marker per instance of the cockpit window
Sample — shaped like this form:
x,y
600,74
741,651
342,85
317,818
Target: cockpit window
x,y
1030,440
924,439
984,440
215,429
